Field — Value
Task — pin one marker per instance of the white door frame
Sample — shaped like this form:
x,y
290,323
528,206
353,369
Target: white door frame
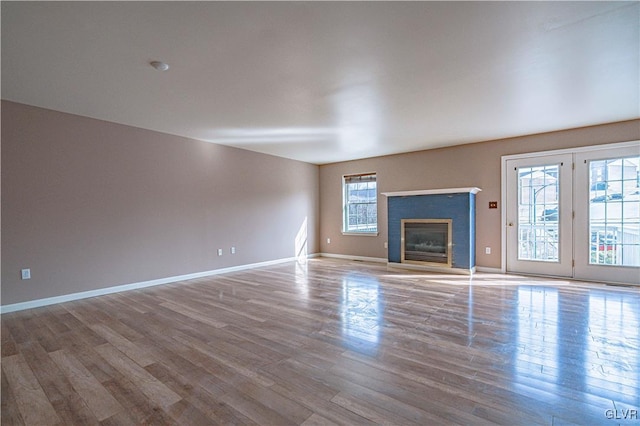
x,y
503,184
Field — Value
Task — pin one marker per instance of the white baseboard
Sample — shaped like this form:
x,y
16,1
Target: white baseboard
x,y
396,266
384,260
134,286
489,270
349,257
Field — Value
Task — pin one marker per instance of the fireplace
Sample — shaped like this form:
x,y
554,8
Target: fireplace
x,y
426,241
432,230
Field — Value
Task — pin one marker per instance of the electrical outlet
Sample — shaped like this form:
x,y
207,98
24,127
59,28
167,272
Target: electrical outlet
x,y
493,204
386,244
233,250
328,240
219,252
487,250
25,274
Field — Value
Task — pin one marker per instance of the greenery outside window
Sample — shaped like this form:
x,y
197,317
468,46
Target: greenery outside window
x,y
360,204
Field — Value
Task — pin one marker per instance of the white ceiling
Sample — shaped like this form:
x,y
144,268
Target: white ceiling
x,y
328,81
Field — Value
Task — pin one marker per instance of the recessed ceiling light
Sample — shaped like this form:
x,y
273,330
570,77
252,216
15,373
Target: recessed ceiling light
x,y
160,66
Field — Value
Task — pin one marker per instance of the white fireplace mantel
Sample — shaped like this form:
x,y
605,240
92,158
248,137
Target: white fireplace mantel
x,y
472,190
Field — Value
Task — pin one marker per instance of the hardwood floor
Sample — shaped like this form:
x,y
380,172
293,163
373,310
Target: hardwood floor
x,y
329,342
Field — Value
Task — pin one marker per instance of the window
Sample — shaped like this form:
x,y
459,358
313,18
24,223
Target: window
x,y
360,205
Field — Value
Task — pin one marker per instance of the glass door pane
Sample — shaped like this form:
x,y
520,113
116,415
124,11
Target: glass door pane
x,y
607,223
614,205
538,208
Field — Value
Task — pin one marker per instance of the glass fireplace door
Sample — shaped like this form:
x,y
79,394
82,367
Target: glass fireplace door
x,y
426,241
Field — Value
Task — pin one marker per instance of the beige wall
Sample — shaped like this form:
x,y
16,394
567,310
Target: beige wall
x,y
460,166
88,204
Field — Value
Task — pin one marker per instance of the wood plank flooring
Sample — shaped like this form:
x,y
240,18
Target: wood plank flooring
x,y
329,342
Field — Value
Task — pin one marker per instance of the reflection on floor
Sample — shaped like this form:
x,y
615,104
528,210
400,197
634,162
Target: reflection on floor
x,y
330,342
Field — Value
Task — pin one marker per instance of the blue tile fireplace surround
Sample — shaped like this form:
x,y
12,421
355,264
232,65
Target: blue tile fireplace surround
x,y
448,217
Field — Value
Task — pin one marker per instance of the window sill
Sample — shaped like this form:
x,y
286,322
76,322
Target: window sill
x,y
361,234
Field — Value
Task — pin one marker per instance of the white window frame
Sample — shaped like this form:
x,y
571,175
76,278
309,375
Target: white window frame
x,y
345,206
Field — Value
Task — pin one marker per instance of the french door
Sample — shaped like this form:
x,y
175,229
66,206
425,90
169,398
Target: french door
x,y
607,246
575,214
539,215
